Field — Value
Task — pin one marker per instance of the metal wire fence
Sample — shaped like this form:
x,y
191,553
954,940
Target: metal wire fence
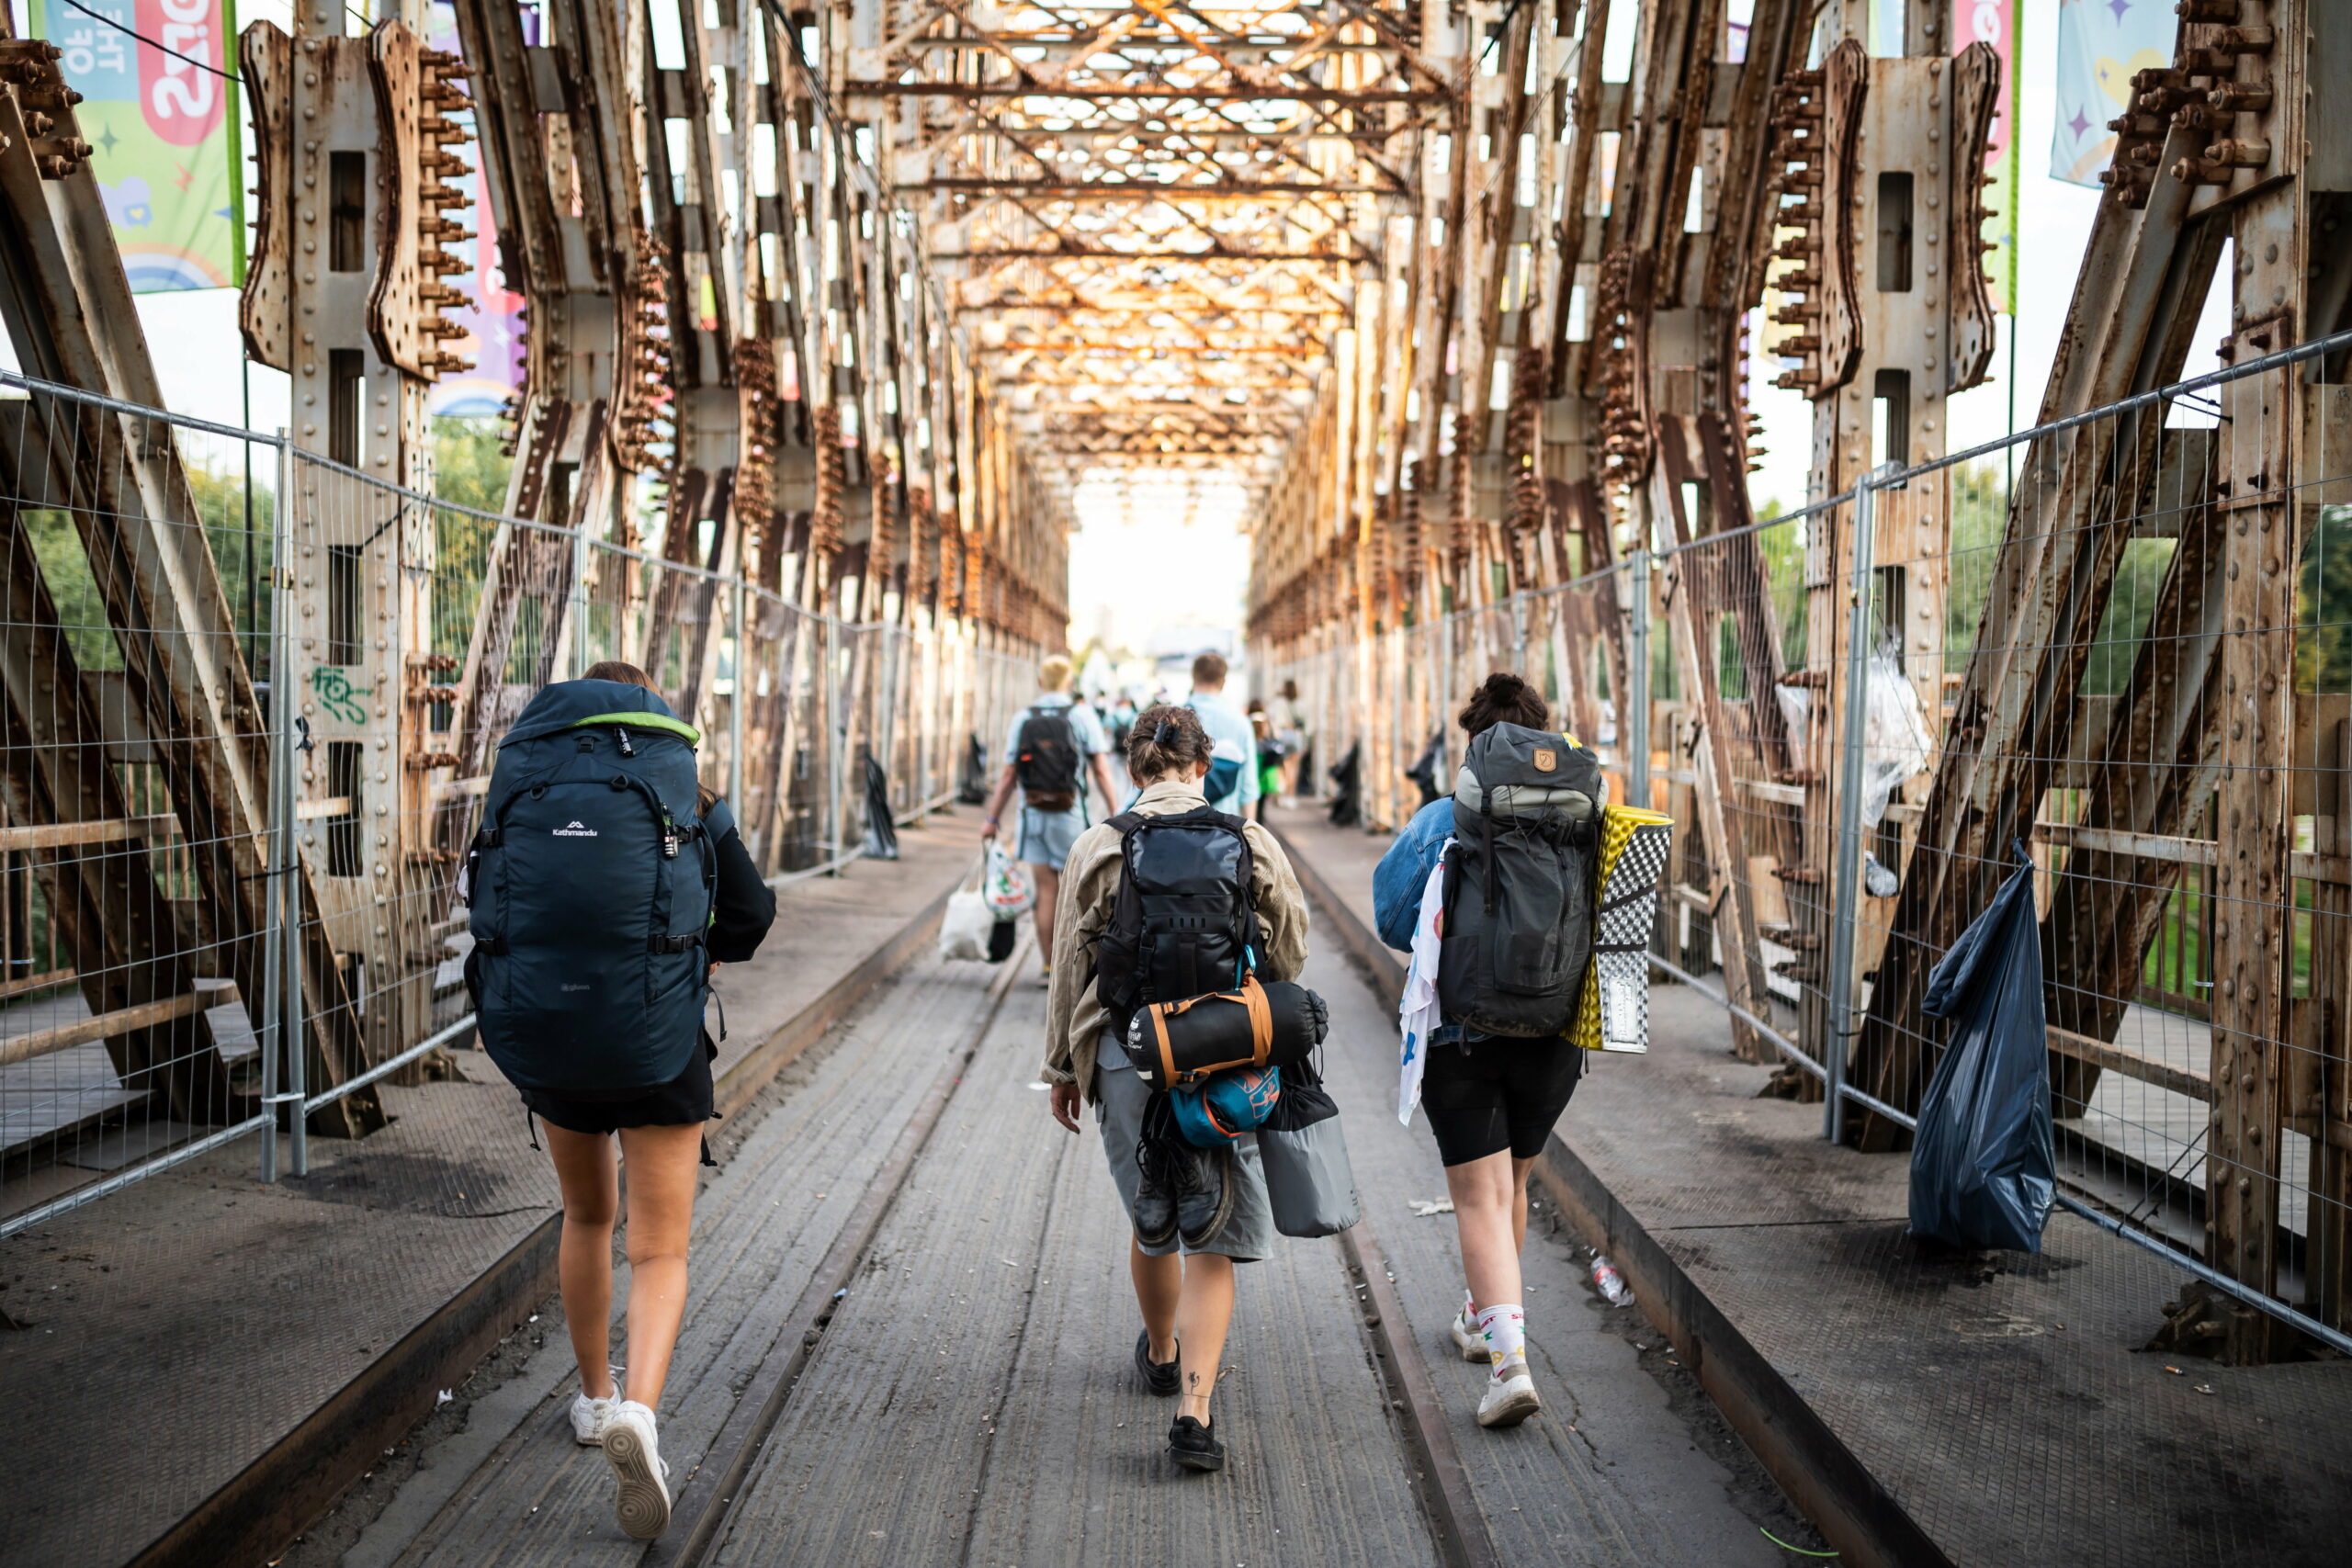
x,y
251,702
2120,646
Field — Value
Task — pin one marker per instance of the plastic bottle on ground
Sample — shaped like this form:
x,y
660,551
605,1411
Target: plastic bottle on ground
x,y
1611,1283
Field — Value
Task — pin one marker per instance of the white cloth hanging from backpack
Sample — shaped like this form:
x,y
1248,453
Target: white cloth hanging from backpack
x,y
1417,1011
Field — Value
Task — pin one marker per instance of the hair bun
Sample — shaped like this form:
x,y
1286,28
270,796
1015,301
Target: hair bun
x,y
1505,687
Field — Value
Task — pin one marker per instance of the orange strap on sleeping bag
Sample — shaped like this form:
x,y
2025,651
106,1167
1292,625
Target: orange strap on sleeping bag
x,y
1251,995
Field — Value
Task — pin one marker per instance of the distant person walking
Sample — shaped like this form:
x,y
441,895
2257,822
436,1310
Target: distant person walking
x,y
605,885
1049,748
1209,1204
1232,782
1492,1098
1290,729
1270,758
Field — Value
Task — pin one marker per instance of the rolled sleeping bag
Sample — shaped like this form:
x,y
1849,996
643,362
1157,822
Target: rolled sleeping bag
x,y
1263,1024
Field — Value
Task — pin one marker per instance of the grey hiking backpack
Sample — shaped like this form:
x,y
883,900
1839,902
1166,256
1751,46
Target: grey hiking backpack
x,y
1519,886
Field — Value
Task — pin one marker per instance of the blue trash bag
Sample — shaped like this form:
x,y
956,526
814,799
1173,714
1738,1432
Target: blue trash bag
x,y
1982,1166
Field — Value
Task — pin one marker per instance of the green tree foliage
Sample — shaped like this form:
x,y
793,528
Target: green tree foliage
x,y
2323,630
468,467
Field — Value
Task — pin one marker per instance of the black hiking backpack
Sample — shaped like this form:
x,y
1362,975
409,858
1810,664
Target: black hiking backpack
x,y
1044,763
1183,923
591,881
1519,886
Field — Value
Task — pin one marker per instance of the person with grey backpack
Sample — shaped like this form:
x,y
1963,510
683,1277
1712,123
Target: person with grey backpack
x,y
1491,890
604,885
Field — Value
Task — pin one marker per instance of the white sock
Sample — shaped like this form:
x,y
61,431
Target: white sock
x,y
1505,1327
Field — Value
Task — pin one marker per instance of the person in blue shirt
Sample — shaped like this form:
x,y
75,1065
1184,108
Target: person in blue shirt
x,y
1233,741
1491,1100
1044,840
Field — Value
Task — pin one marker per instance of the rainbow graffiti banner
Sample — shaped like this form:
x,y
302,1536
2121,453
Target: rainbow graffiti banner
x,y
162,131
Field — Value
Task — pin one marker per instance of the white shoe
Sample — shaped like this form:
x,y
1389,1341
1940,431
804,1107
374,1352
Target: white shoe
x,y
590,1417
633,1451
1509,1399
1468,1337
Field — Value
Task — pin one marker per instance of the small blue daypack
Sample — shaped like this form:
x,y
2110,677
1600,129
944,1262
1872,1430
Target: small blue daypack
x,y
591,880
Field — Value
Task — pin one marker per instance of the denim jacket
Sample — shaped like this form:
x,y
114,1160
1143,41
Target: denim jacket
x,y
1397,881
1397,884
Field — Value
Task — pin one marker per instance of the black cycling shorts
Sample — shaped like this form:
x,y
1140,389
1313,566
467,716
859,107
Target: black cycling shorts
x,y
1493,1094
686,1099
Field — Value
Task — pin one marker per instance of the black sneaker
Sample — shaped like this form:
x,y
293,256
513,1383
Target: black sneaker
x,y
1194,1446
1160,1378
1157,1182
1203,1193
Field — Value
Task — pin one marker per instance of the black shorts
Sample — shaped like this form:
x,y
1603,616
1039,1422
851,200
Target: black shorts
x,y
685,1100
1490,1095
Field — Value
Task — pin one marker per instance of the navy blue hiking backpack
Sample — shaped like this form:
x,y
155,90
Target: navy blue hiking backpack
x,y
591,881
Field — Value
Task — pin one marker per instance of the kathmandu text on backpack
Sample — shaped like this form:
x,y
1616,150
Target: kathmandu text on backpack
x,y
592,881
1519,886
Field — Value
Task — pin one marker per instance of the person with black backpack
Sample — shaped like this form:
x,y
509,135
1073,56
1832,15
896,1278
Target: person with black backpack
x,y
605,883
1049,749
1496,882
1168,900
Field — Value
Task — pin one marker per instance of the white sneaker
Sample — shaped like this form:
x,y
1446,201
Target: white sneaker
x,y
589,1417
1468,1337
1510,1398
632,1449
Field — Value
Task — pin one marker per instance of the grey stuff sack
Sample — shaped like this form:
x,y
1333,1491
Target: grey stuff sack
x,y
1519,886
1983,1167
1309,1183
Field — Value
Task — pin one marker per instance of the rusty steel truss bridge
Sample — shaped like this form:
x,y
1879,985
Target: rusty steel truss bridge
x,y
831,311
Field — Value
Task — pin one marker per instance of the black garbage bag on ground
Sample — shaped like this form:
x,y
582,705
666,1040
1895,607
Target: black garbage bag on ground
x,y
1347,789
972,788
881,833
1424,772
1982,1166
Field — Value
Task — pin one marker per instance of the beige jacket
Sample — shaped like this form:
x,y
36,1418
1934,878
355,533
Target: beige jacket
x,y
1074,1019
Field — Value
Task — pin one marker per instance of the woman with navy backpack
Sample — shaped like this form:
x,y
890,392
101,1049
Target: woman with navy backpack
x,y
1196,1212
605,885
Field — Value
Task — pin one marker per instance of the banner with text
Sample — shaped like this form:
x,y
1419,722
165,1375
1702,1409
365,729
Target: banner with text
x,y
162,131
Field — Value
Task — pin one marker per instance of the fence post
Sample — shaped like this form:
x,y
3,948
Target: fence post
x,y
267,1010
1844,881
287,869
583,650
1634,702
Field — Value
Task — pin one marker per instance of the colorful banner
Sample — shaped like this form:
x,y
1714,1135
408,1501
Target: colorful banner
x,y
163,132
493,321
2101,45
1994,22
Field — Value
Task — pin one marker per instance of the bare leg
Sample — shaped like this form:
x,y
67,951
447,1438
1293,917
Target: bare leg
x,y
1490,1216
590,1180
661,1164
1203,1312
1049,888
1160,1284
1519,1173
